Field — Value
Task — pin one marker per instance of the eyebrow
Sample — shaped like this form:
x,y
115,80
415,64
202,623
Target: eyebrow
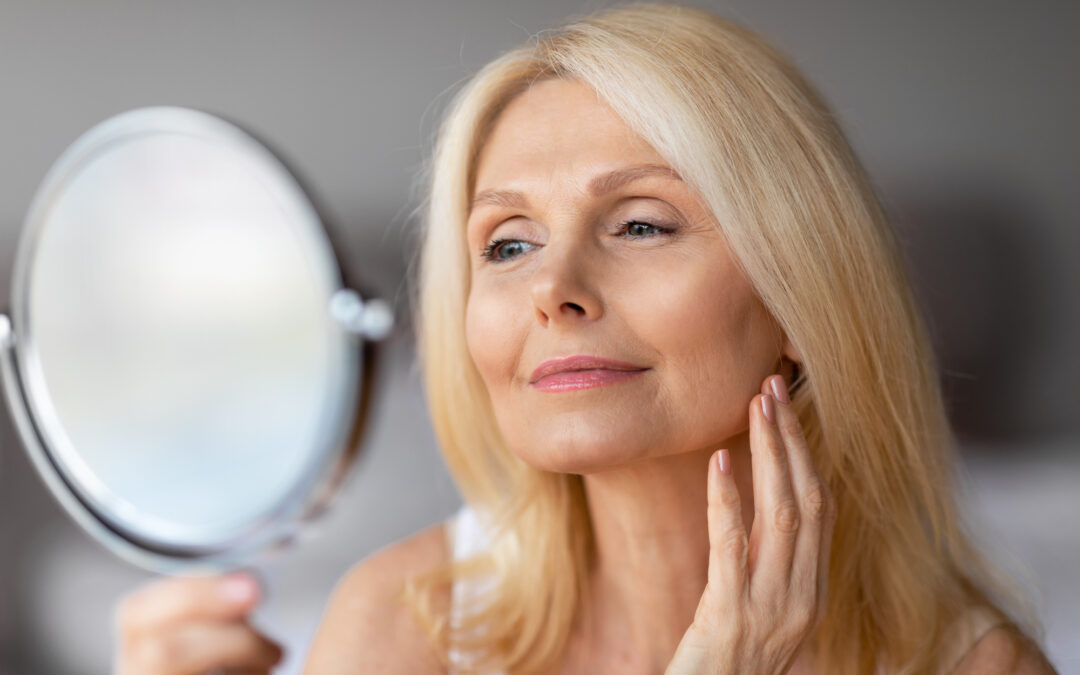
x,y
598,186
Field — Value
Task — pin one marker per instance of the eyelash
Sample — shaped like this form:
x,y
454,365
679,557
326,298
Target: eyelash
x,y
490,251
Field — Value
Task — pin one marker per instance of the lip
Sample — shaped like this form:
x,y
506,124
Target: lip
x,y
581,372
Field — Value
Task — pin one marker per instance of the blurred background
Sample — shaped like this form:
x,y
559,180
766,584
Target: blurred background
x,y
965,114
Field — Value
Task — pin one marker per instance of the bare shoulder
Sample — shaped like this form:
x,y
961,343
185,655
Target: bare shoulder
x,y
366,627
1004,651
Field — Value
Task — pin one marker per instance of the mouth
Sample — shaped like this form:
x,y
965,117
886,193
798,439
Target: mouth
x,y
582,372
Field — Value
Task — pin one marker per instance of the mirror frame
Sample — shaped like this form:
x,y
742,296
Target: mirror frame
x,y
364,322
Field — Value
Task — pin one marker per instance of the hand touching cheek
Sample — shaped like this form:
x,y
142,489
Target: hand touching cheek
x,y
767,591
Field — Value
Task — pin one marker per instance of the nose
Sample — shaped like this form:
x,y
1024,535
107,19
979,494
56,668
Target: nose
x,y
562,291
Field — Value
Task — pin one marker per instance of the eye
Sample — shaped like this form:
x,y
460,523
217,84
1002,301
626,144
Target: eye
x,y
501,250
637,229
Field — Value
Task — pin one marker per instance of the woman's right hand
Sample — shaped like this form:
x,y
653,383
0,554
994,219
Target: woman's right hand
x,y
189,625
766,591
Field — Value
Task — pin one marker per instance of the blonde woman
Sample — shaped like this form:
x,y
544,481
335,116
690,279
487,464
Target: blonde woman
x,y
677,372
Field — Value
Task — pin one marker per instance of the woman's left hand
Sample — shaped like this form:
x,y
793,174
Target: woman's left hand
x,y
766,593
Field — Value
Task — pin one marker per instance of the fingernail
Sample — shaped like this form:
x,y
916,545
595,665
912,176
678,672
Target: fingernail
x,y
779,389
238,588
723,459
767,407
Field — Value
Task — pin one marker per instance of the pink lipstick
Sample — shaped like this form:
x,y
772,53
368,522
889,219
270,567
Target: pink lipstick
x,y
572,373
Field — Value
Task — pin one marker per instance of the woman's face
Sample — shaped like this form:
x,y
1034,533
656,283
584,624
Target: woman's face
x,y
584,243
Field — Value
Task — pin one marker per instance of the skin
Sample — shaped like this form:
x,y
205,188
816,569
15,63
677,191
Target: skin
x,y
674,303
192,625
698,570
670,299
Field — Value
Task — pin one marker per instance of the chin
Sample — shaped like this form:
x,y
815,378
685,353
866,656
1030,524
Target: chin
x,y
581,443
578,451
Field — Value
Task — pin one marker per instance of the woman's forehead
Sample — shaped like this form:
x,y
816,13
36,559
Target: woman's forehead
x,y
559,127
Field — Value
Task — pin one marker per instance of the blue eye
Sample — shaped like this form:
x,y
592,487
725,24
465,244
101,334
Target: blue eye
x,y
637,229
500,250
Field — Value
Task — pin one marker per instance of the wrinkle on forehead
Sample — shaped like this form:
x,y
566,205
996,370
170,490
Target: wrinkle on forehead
x,y
599,185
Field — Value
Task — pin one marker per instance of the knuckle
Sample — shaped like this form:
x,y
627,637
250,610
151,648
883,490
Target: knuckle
x,y
816,502
735,545
786,517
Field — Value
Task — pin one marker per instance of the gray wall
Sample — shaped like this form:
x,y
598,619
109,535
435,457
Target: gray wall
x,y
964,113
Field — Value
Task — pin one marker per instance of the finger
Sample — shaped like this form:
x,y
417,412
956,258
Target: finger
x,y
728,543
824,557
776,512
174,600
816,503
198,647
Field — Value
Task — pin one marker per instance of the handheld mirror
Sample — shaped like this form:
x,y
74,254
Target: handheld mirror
x,y
183,361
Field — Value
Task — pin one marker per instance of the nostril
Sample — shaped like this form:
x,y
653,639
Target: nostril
x,y
576,307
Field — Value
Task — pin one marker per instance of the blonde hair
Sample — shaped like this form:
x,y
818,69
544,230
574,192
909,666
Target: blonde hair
x,y
761,148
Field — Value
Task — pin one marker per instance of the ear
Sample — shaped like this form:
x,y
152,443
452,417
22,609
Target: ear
x,y
790,352
790,361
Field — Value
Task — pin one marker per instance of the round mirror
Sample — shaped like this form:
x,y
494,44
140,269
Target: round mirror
x,y
184,363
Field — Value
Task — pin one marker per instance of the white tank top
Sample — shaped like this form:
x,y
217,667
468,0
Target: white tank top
x,y
467,535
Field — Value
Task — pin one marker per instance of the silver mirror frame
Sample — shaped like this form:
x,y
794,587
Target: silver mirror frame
x,y
363,322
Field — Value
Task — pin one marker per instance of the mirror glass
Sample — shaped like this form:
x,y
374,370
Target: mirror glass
x,y
174,338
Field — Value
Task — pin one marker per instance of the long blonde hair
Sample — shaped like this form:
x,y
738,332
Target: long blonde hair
x,y
761,148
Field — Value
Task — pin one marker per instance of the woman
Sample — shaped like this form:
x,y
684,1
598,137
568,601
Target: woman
x,y
658,300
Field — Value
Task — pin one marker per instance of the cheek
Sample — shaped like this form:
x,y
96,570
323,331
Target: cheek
x,y
491,334
714,341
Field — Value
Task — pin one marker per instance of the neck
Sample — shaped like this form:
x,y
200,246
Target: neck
x,y
651,537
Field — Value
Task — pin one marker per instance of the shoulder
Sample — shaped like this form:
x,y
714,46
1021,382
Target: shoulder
x,y
366,627
1005,651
